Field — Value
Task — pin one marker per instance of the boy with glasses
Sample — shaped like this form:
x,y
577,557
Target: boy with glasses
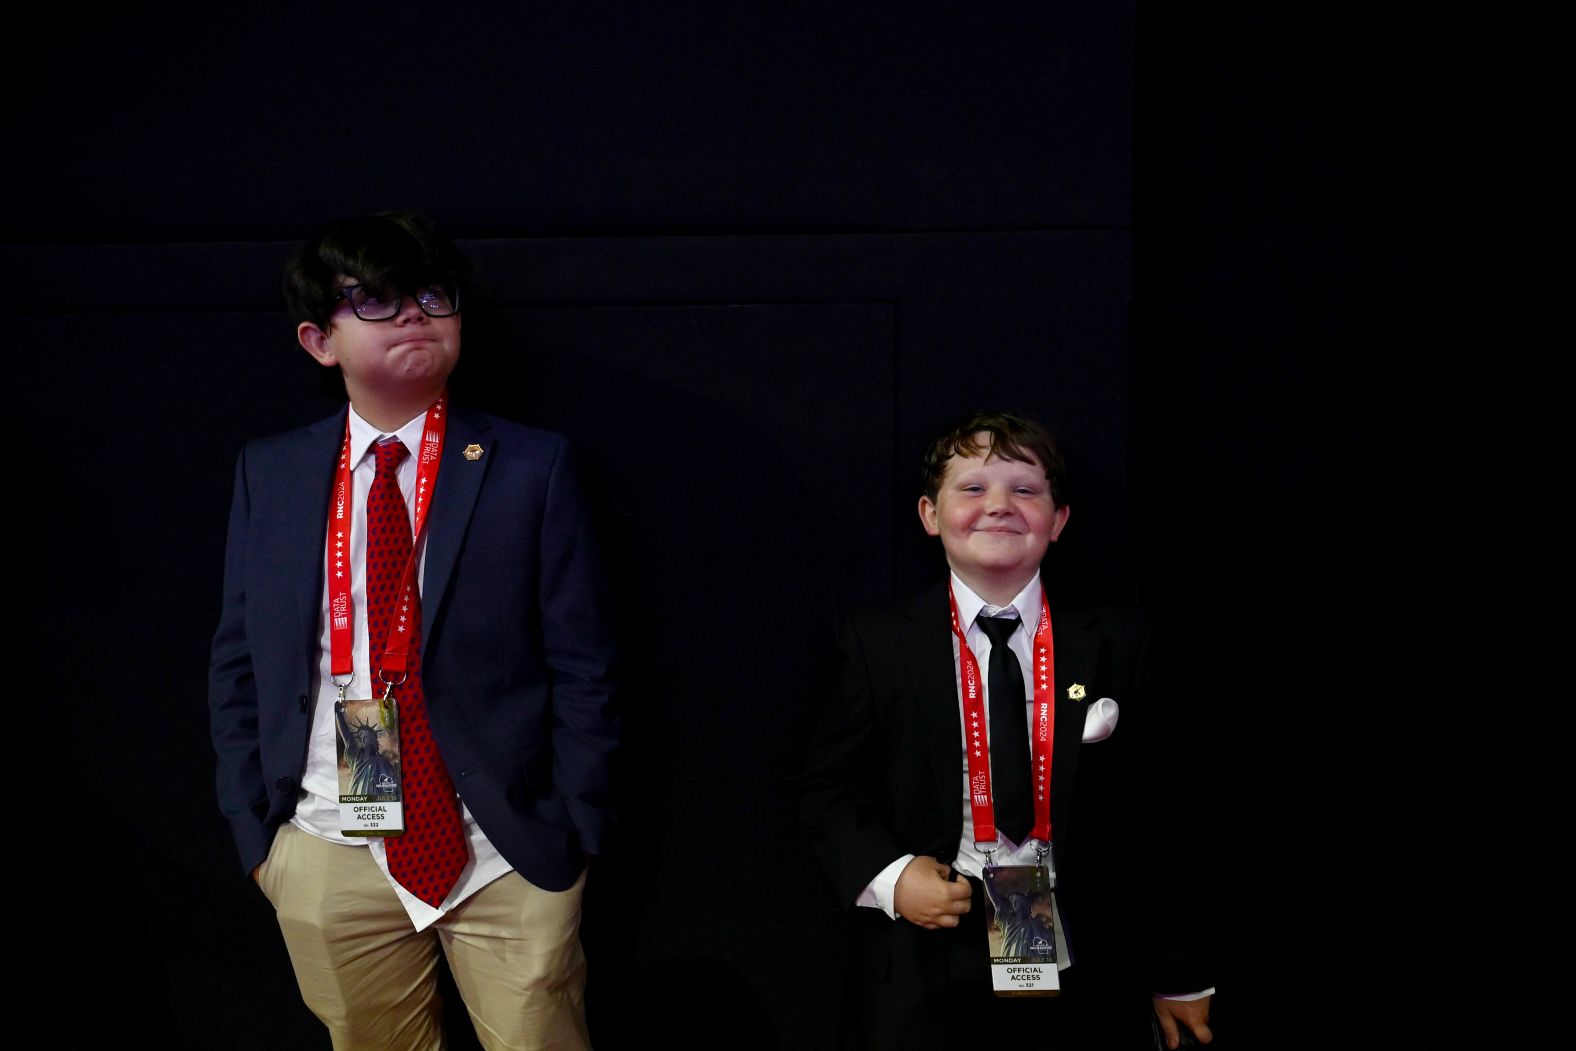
x,y
412,683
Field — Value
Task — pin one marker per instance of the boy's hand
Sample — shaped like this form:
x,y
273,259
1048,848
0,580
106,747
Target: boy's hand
x,y
1192,1013
924,897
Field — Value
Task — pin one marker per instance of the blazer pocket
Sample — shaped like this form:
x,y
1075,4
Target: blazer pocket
x,y
523,779
497,554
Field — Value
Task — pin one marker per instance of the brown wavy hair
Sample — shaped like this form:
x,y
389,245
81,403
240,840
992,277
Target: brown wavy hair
x,y
996,434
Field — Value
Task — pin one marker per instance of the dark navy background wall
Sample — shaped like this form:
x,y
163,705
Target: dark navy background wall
x,y
749,262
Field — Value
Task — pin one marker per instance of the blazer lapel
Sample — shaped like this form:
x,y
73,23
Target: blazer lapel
x,y
453,499
1077,657
304,535
933,682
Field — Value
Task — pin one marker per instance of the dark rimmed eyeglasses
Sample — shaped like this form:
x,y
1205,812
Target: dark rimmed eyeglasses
x,y
434,301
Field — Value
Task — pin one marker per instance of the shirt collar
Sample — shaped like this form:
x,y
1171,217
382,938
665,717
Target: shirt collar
x,y
1026,602
363,435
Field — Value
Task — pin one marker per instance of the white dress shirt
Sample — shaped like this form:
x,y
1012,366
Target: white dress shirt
x,y
317,811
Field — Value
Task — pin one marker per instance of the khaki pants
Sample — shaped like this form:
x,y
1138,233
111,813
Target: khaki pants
x,y
371,977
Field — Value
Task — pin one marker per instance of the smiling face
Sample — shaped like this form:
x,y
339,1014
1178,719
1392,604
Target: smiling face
x,y
995,518
393,369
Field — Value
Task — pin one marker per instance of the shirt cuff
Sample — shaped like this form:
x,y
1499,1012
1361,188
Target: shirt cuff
x,y
878,894
1186,996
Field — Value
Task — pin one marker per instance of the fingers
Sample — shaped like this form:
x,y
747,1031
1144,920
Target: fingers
x,y
1192,1013
954,898
943,913
1195,1015
953,886
930,895
1168,1029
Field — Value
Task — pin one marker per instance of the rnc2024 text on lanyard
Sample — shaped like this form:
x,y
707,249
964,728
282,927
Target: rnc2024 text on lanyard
x,y
1043,737
370,796
1026,944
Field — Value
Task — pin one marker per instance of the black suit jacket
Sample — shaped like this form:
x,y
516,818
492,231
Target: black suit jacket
x,y
885,779
516,659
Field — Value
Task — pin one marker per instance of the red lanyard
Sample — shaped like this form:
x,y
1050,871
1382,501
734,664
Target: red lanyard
x,y
339,569
974,719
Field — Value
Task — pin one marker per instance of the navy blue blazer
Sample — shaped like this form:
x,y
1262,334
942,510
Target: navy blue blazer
x,y
517,661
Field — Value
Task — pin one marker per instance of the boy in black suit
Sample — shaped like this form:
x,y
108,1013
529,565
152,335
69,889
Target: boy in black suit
x,y
902,796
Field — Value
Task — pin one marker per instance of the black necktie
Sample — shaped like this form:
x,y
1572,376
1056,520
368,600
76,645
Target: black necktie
x,y
1009,731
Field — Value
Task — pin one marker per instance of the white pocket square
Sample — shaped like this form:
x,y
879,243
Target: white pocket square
x,y
1100,720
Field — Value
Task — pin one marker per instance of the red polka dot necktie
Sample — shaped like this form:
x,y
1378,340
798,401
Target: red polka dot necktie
x,y
429,857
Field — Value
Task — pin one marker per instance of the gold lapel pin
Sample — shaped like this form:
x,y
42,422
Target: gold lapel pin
x,y
1075,692
473,451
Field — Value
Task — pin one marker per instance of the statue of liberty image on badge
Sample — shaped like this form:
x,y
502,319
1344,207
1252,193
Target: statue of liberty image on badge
x,y
1021,924
370,802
